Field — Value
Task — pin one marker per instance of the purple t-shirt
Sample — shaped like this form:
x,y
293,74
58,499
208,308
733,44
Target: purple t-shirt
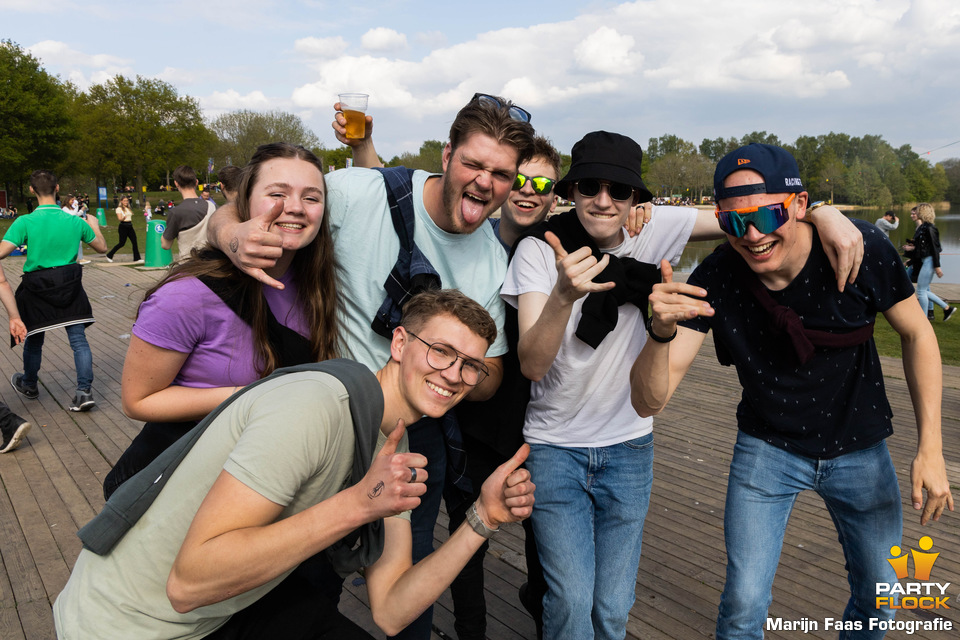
x,y
186,316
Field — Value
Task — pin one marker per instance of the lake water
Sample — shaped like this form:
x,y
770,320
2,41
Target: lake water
x,y
948,223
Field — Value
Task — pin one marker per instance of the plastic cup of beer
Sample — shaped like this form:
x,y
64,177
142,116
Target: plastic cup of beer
x,y
354,108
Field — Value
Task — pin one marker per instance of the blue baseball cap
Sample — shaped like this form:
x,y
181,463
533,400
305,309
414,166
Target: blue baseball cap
x,y
777,166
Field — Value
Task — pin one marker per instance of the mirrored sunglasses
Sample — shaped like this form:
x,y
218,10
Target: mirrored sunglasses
x,y
591,187
517,113
542,185
766,219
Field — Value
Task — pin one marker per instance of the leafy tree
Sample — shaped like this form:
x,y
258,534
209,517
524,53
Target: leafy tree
x,y
918,175
701,175
717,148
150,127
34,110
241,132
429,158
951,170
667,144
761,137
839,144
806,152
830,176
940,182
335,158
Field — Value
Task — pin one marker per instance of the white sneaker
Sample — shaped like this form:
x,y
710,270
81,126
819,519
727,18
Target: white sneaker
x,y
109,259
84,262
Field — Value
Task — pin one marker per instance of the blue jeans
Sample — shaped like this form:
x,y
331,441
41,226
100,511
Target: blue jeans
x,y
926,297
82,357
588,520
861,493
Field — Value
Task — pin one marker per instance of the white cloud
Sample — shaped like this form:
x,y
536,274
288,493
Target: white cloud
x,y
639,58
431,39
179,77
383,39
54,52
607,51
82,69
321,47
231,100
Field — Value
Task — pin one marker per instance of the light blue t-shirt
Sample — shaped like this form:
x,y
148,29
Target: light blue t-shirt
x,y
366,248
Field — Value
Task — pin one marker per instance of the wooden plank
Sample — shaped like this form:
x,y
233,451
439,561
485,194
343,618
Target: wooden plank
x,y
52,485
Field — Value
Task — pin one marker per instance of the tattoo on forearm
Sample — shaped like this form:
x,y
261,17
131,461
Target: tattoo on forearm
x,y
234,245
376,491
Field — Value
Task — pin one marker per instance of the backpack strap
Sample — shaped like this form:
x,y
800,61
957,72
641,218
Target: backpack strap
x,y
132,499
412,272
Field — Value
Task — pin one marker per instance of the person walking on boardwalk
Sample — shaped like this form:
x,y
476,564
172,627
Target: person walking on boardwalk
x,y
926,256
125,227
813,414
51,292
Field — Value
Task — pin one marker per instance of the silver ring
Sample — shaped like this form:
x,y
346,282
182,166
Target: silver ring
x,y
413,475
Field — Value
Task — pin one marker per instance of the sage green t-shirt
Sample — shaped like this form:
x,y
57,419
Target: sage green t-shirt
x,y
290,440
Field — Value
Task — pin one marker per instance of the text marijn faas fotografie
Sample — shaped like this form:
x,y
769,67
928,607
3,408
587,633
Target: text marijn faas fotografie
x,y
806,625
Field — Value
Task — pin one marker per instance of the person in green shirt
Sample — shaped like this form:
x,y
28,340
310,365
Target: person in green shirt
x,y
51,294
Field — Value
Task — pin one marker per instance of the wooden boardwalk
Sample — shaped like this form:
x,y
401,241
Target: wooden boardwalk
x,y
52,485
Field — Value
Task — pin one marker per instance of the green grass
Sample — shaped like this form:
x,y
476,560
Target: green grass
x,y
948,335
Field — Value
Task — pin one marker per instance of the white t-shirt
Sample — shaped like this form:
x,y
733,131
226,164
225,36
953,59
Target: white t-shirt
x,y
584,398
366,247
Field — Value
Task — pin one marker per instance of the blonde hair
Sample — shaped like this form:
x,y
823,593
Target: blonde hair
x,y
926,213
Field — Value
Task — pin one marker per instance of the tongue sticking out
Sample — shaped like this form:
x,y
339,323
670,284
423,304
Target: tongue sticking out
x,y
472,210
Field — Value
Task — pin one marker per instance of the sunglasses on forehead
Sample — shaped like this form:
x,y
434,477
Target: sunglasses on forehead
x,y
591,187
517,113
766,219
542,185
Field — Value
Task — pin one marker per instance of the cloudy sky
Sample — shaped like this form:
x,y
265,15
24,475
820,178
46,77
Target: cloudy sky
x,y
693,68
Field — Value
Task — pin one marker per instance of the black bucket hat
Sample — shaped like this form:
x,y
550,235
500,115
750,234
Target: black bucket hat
x,y
606,156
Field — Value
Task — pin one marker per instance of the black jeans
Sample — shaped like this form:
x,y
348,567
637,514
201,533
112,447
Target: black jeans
x,y
293,610
126,231
469,602
9,421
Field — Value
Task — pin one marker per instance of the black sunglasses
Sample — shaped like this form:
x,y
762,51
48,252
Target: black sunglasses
x,y
591,187
517,113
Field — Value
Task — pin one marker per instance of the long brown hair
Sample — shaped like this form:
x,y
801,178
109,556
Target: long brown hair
x,y
314,271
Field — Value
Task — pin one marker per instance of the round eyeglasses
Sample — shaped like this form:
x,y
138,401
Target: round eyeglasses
x,y
442,356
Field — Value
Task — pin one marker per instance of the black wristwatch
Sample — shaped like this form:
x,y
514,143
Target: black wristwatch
x,y
654,336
